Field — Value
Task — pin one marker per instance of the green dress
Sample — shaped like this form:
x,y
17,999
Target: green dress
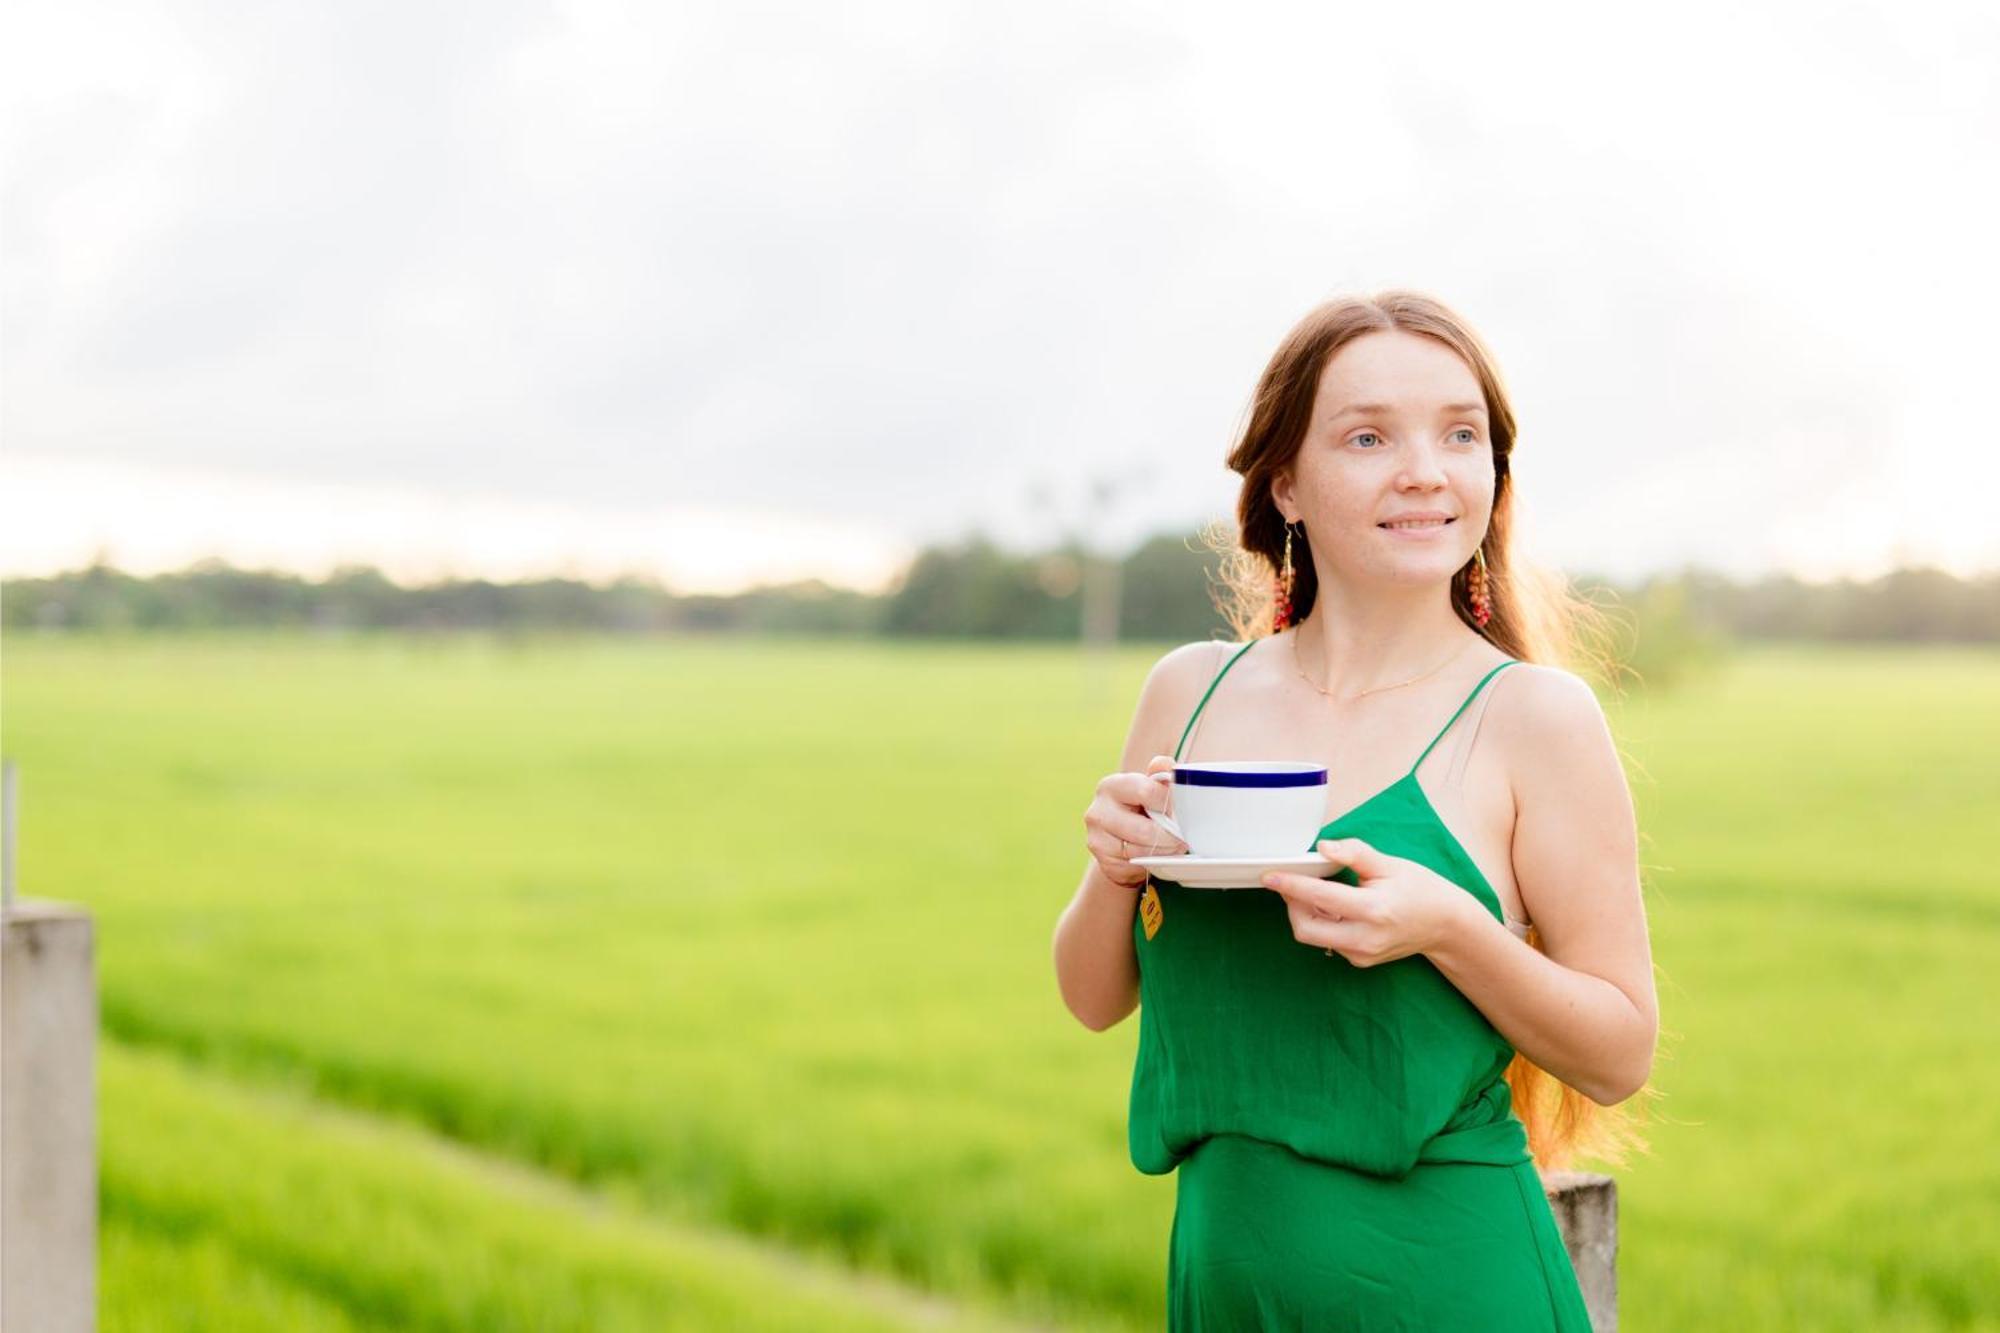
x,y
1347,1149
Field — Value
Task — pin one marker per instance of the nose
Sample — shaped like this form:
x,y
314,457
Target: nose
x,y
1422,470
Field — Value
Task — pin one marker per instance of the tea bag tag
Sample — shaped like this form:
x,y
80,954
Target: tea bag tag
x,y
1149,909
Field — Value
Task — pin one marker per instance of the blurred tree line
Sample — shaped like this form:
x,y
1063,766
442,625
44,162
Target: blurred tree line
x,y
970,589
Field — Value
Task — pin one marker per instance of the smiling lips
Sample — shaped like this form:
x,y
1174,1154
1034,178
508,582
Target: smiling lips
x,y
1420,523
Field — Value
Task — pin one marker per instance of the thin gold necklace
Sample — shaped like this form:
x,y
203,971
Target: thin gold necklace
x,y
1299,666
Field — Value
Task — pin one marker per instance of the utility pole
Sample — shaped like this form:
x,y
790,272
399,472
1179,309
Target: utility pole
x,y
48,1102
9,795
1084,523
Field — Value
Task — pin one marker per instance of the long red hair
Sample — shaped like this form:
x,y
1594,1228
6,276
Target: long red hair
x,y
1534,615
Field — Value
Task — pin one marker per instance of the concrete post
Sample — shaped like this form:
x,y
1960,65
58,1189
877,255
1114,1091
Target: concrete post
x,y
1586,1209
48,1119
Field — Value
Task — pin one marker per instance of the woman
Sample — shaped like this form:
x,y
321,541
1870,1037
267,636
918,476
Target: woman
x,y
1356,1078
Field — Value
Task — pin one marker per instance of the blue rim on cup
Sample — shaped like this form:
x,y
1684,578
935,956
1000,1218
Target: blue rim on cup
x,y
1249,807
1250,773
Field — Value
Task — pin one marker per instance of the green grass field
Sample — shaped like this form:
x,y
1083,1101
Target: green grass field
x,y
594,985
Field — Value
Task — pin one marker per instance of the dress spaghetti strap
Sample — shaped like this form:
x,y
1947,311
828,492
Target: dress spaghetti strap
x,y
1512,661
1189,728
1204,698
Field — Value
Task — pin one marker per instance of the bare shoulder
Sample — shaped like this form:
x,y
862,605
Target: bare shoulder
x,y
1556,740
1172,688
1178,678
1541,703
1192,662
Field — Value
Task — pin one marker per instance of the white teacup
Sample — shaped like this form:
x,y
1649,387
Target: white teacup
x,y
1249,807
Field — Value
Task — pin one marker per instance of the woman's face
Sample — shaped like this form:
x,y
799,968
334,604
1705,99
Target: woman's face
x,y
1398,432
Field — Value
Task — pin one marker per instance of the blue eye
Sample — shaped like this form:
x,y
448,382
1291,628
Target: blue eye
x,y
1366,435
1467,430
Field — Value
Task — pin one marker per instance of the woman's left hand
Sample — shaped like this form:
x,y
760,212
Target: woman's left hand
x,y
1398,909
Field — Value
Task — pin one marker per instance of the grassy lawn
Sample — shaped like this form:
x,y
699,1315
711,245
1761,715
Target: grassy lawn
x,y
751,939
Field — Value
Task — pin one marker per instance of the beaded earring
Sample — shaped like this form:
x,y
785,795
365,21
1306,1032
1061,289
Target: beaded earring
x,y
1477,589
1281,614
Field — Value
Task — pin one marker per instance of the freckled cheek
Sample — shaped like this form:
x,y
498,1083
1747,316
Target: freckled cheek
x,y
1343,500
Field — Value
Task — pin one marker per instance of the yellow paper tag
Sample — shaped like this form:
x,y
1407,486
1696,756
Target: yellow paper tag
x,y
1149,910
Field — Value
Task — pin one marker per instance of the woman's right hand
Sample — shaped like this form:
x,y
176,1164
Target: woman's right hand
x,y
1116,828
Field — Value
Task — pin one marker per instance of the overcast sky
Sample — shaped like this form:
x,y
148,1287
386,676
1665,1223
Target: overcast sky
x,y
738,291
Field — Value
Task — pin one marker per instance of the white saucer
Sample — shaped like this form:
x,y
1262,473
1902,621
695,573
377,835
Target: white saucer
x,y
1233,872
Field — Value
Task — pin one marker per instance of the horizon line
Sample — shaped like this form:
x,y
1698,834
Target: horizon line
x,y
652,580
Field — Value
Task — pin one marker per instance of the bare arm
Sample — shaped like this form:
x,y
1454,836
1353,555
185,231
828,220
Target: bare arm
x,y
1587,1011
1096,968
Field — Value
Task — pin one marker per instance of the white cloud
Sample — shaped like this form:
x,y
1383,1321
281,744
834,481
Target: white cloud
x,y
889,264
